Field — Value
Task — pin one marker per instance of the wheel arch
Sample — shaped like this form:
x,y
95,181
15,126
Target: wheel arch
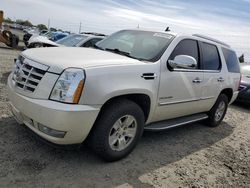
x,y
141,99
228,92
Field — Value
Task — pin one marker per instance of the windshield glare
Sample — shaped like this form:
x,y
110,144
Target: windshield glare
x,y
71,40
142,45
245,70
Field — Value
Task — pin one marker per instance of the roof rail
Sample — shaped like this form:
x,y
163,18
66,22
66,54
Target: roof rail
x,y
211,39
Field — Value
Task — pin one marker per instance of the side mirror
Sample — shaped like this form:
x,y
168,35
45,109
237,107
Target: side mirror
x,y
183,62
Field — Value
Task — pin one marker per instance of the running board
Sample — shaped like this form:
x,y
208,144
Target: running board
x,y
168,124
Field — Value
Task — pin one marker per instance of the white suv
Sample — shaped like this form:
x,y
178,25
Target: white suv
x,y
132,81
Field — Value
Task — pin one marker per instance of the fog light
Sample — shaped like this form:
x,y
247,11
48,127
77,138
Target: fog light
x,y
51,132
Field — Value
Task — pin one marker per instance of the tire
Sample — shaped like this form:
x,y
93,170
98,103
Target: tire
x,y
104,138
218,111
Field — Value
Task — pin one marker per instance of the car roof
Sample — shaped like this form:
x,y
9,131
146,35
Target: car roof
x,y
196,36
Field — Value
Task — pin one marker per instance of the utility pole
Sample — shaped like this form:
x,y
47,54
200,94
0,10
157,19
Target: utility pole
x,y
80,28
48,23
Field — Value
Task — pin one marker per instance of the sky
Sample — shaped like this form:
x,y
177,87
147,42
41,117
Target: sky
x,y
226,20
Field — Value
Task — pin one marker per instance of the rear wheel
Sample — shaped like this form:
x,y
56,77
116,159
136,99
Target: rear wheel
x,y
117,130
218,111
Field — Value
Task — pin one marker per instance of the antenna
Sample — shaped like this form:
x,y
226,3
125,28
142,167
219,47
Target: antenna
x,y
167,29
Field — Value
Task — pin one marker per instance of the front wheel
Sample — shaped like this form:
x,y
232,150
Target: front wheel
x,y
218,111
117,130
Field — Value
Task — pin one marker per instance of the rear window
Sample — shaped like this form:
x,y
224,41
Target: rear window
x,y
210,57
231,60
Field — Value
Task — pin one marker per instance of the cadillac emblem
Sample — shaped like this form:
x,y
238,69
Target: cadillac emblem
x,y
18,75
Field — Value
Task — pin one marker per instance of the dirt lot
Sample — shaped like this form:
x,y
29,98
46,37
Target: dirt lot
x,y
190,156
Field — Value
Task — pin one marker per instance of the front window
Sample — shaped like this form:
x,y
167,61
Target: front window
x,y
245,70
71,40
142,45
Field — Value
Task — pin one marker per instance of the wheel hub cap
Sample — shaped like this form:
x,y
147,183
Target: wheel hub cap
x,y
220,111
122,133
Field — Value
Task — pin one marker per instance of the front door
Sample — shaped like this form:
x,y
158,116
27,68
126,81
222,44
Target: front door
x,y
180,90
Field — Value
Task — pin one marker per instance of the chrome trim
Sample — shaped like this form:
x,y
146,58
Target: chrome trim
x,y
183,101
197,70
145,76
35,64
27,74
206,98
177,102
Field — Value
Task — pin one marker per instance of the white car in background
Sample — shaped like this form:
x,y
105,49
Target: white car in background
x,y
79,40
46,40
73,40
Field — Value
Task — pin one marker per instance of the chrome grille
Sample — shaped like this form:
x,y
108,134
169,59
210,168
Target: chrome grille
x,y
27,75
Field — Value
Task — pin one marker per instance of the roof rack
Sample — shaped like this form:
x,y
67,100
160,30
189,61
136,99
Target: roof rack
x,y
211,39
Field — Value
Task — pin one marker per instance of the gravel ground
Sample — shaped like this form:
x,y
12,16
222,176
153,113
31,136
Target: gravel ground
x,y
189,156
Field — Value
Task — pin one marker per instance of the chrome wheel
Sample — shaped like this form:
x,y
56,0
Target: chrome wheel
x,y
122,133
220,111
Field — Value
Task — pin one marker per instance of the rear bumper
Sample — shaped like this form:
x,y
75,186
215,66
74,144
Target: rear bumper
x,y
75,120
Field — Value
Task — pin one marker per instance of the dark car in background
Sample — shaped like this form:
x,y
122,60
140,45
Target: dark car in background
x,y
244,91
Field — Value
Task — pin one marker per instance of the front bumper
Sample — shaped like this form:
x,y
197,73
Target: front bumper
x,y
75,120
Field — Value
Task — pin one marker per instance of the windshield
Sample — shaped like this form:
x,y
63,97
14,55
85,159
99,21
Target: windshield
x,y
71,40
50,34
245,70
142,45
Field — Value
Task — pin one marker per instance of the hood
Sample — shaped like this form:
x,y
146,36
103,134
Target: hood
x,y
60,58
42,39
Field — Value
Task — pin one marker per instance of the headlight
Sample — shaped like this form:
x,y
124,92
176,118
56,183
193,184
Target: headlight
x,y
69,86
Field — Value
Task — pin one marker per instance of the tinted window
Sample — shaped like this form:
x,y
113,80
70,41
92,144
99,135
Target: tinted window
x,y
186,47
91,42
71,40
210,57
231,60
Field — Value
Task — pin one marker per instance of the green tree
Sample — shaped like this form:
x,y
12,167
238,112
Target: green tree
x,y
24,22
242,59
8,20
42,27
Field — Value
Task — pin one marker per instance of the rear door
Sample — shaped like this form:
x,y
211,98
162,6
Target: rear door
x,y
213,81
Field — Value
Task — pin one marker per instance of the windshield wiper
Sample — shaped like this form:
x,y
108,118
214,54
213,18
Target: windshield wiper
x,y
97,47
117,51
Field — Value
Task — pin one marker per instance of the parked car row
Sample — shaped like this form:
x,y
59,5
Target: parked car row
x,y
59,39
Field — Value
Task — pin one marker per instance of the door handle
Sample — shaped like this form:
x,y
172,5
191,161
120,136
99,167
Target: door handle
x,y
220,79
197,80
